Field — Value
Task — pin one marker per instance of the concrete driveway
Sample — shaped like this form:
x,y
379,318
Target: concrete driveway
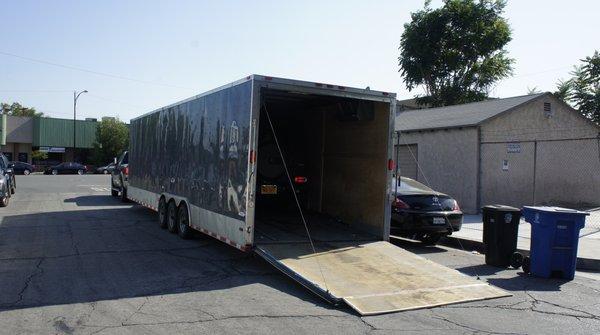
x,y
74,260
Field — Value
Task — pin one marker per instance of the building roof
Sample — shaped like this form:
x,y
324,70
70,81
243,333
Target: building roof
x,y
464,115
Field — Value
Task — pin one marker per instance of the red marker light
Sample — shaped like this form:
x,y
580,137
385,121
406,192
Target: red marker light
x,y
391,164
400,204
300,180
126,171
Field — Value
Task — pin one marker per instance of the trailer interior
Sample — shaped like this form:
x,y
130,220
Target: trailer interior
x,y
335,150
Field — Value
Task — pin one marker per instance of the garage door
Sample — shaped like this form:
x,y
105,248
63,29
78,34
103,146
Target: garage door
x,y
407,160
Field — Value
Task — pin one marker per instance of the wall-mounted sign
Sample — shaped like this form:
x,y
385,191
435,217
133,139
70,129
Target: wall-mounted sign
x,y
505,165
52,149
513,148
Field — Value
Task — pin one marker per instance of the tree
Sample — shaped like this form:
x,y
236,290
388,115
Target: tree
x,y
112,137
16,109
39,155
456,52
582,91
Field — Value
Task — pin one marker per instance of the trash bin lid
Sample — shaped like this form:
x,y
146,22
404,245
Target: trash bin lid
x,y
503,208
554,209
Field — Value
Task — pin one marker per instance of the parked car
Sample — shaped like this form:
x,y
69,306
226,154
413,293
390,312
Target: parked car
x,y
8,184
119,177
22,167
66,168
106,169
422,213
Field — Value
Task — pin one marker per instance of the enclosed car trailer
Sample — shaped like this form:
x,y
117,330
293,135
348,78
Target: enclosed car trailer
x,y
298,172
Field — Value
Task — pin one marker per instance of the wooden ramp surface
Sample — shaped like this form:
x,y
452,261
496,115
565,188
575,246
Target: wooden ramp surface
x,y
377,277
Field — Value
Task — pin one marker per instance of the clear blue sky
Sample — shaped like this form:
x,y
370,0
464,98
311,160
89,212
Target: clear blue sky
x,y
198,45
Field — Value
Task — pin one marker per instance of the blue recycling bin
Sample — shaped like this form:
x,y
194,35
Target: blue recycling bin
x,y
554,240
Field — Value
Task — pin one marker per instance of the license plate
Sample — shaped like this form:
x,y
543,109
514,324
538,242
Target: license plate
x,y
268,189
439,221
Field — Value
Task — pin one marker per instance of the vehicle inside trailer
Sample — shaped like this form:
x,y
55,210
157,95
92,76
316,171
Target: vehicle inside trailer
x,y
335,151
320,207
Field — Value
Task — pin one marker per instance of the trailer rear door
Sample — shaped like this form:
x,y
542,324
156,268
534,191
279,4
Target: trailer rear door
x,y
375,277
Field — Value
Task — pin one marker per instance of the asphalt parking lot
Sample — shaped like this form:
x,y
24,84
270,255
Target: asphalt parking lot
x,y
75,260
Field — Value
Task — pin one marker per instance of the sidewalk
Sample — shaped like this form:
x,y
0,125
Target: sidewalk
x,y
588,255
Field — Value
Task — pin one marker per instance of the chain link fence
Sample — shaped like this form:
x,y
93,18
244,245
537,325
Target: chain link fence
x,y
558,172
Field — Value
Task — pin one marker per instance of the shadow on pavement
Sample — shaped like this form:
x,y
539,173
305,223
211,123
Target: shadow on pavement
x,y
415,246
96,200
100,254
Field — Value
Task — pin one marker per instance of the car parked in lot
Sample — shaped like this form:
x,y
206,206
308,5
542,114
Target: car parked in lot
x,y
22,167
119,177
106,169
422,213
8,183
66,168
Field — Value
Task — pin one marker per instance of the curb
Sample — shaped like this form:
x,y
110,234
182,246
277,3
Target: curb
x,y
469,245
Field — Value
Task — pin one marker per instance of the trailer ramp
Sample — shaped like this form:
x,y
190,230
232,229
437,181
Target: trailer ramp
x,y
375,277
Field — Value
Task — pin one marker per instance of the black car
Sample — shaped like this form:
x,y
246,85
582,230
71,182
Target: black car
x,y
22,167
66,168
421,213
106,169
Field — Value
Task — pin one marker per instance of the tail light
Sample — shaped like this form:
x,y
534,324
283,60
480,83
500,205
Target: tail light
x,y
399,204
126,171
456,208
300,180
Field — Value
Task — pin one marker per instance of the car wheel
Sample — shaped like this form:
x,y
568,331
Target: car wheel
x,y
4,201
172,217
430,239
54,172
80,172
26,172
105,171
162,213
185,231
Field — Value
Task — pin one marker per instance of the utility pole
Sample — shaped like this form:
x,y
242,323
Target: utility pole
x,y
75,97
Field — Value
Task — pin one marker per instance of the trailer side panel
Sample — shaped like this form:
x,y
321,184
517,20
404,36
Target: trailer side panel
x,y
197,151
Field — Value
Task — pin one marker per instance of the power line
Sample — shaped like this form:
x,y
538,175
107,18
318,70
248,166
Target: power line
x,y
109,75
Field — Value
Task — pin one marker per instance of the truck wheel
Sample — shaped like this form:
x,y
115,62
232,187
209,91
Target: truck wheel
x,y
4,201
124,194
162,213
114,193
185,231
172,217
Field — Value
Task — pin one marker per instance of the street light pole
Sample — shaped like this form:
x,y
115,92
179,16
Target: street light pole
x,y
75,97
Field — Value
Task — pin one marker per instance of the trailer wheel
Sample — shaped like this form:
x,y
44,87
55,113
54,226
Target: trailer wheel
x,y
172,217
162,213
185,231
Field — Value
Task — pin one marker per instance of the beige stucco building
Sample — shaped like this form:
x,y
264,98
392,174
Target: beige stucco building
x,y
517,151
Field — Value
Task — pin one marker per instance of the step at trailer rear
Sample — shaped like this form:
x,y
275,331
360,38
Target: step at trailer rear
x,y
214,155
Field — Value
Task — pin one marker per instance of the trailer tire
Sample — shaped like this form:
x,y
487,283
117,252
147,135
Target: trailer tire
x,y
183,221
162,213
172,217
